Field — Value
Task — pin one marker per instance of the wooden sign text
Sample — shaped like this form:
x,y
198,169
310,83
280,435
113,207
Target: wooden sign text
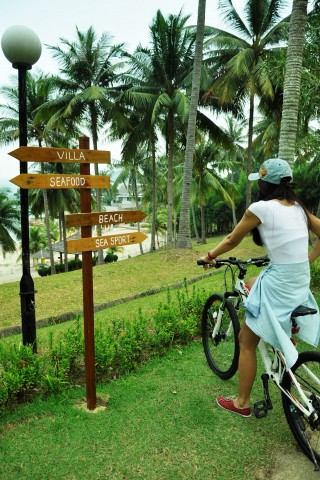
x,y
55,181
60,155
108,241
103,218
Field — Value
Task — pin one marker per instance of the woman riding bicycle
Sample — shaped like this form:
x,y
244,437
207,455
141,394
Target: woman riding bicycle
x,y
280,222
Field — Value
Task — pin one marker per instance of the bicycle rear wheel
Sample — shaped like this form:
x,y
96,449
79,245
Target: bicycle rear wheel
x,y
221,344
306,430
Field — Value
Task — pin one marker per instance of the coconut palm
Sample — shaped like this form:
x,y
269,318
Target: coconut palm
x,y
86,86
240,60
39,90
38,239
292,81
184,237
206,178
161,74
131,176
232,159
59,200
9,222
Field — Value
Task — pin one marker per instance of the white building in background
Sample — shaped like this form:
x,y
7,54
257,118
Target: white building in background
x,y
124,200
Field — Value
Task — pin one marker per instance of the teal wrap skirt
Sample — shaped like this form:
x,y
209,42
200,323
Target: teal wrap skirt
x,y
278,290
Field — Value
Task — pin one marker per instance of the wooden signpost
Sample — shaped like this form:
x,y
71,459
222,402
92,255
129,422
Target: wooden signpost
x,y
85,220
60,155
107,241
59,181
104,218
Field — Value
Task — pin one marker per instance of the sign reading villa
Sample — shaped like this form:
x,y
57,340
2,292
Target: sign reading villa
x,y
60,155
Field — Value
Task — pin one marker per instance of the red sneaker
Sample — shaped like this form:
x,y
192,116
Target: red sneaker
x,y
227,403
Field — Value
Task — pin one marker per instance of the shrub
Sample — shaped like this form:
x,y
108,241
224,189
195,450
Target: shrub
x,y
75,264
315,276
44,271
120,347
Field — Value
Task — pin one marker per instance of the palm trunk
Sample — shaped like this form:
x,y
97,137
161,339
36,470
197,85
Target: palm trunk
x,y
175,222
64,239
194,224
94,129
250,139
135,194
154,197
234,218
47,224
184,236
292,81
170,179
203,225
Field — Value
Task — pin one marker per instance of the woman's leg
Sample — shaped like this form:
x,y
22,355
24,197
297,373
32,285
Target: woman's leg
x,y
247,365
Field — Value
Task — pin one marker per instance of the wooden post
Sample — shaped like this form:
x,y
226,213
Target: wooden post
x,y
87,287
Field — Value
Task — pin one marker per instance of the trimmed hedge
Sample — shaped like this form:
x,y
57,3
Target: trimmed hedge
x,y
120,347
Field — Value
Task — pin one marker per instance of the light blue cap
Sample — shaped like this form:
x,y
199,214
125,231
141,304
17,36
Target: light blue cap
x,y
272,171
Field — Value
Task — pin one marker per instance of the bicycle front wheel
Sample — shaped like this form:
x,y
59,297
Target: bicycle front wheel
x,y
220,332
306,430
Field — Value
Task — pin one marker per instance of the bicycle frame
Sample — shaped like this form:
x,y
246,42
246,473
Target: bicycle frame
x,y
275,368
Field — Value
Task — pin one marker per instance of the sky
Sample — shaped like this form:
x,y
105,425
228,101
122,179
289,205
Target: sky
x,y
124,20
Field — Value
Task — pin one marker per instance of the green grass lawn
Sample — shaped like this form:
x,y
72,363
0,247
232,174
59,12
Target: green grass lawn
x,y
62,293
161,422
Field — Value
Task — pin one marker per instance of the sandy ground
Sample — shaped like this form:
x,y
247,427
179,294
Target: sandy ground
x,y
11,267
292,465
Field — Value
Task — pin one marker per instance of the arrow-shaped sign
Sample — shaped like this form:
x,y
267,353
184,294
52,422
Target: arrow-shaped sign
x,y
108,241
103,218
60,155
40,180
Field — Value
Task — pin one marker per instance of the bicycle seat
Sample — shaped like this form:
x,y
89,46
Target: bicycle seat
x,y
301,311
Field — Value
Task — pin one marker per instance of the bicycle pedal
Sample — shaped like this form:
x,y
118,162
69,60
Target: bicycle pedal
x,y
260,409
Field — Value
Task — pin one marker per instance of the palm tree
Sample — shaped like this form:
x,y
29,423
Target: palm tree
x,y
134,127
292,81
240,61
232,159
86,87
184,237
39,90
38,240
161,75
131,176
9,222
206,179
59,200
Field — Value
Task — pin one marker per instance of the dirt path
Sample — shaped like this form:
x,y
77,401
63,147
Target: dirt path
x,y
290,466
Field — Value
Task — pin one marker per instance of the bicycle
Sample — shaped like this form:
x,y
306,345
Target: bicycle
x,y
299,386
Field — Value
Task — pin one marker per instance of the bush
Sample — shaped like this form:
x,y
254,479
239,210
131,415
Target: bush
x,y
44,271
120,347
110,257
75,264
315,276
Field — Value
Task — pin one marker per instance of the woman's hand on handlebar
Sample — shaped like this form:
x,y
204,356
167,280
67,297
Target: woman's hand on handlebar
x,y
206,262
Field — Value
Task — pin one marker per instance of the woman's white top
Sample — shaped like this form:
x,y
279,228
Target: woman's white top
x,y
285,283
283,231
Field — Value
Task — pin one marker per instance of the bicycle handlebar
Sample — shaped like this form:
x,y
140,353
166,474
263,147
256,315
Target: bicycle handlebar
x,y
258,262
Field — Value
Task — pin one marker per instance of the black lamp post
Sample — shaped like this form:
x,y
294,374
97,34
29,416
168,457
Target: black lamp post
x,y
22,47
